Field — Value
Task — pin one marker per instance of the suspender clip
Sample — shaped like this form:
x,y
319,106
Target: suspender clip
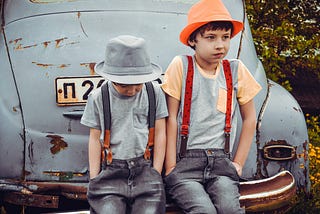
x,y
183,146
227,143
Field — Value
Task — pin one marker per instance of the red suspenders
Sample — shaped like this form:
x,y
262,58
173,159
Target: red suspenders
x,y
187,106
106,154
227,128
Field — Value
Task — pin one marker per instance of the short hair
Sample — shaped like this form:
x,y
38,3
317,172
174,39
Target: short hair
x,y
214,25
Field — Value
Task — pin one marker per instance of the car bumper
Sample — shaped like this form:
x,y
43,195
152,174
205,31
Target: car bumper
x,y
269,194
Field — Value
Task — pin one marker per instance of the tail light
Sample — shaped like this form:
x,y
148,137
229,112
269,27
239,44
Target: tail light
x,y
279,152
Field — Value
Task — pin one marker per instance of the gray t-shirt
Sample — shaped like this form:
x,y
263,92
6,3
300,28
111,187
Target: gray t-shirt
x,y
207,121
129,119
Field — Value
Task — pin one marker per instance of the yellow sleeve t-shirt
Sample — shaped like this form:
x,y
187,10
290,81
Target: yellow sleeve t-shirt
x,y
209,95
248,86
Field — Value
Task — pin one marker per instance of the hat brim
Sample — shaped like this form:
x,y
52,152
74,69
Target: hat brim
x,y
189,29
129,79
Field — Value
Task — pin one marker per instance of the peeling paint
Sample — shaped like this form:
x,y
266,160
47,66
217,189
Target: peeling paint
x,y
58,41
18,46
63,66
64,176
15,41
51,65
89,65
45,44
42,65
58,143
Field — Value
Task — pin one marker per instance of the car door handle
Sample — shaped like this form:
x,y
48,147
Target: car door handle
x,y
73,114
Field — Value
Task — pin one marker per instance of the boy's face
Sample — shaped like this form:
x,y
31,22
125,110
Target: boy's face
x,y
211,47
127,90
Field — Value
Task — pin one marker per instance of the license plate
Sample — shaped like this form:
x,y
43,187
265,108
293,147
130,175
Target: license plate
x,y
75,90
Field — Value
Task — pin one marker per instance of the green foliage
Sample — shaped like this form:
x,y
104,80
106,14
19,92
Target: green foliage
x,y
313,123
286,36
311,203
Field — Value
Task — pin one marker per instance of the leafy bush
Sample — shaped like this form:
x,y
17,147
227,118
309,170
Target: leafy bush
x,y
311,203
287,38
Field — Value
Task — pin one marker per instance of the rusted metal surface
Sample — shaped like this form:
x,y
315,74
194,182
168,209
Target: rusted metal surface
x,y
51,65
89,65
58,43
76,191
33,200
63,175
58,143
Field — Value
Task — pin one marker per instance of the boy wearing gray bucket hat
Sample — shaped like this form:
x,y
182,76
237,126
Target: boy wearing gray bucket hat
x,y
126,117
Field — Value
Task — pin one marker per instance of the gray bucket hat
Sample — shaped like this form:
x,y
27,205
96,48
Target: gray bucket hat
x,y
127,61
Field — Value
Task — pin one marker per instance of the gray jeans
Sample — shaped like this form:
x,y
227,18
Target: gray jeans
x,y
127,186
205,181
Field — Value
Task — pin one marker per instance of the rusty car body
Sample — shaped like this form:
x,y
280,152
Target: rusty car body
x,y
48,49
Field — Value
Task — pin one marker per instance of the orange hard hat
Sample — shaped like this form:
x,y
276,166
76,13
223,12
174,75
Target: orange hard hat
x,y
206,11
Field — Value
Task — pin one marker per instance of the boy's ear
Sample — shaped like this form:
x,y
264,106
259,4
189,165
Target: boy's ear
x,y
191,43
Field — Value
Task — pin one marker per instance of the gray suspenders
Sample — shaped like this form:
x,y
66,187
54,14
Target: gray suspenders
x,y
106,154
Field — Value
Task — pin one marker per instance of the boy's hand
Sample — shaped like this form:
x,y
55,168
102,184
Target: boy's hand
x,y
238,168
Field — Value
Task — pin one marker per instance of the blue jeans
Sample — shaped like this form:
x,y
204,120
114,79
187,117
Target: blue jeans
x,y
205,181
127,186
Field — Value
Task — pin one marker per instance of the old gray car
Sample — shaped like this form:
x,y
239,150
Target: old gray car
x,y
48,49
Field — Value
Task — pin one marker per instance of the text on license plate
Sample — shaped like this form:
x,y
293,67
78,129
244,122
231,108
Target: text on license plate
x,y
75,90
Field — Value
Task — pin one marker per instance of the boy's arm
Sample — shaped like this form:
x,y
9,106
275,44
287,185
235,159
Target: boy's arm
x,y
159,144
248,115
94,152
172,127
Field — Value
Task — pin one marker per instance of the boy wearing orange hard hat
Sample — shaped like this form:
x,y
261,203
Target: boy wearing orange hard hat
x,y
203,93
